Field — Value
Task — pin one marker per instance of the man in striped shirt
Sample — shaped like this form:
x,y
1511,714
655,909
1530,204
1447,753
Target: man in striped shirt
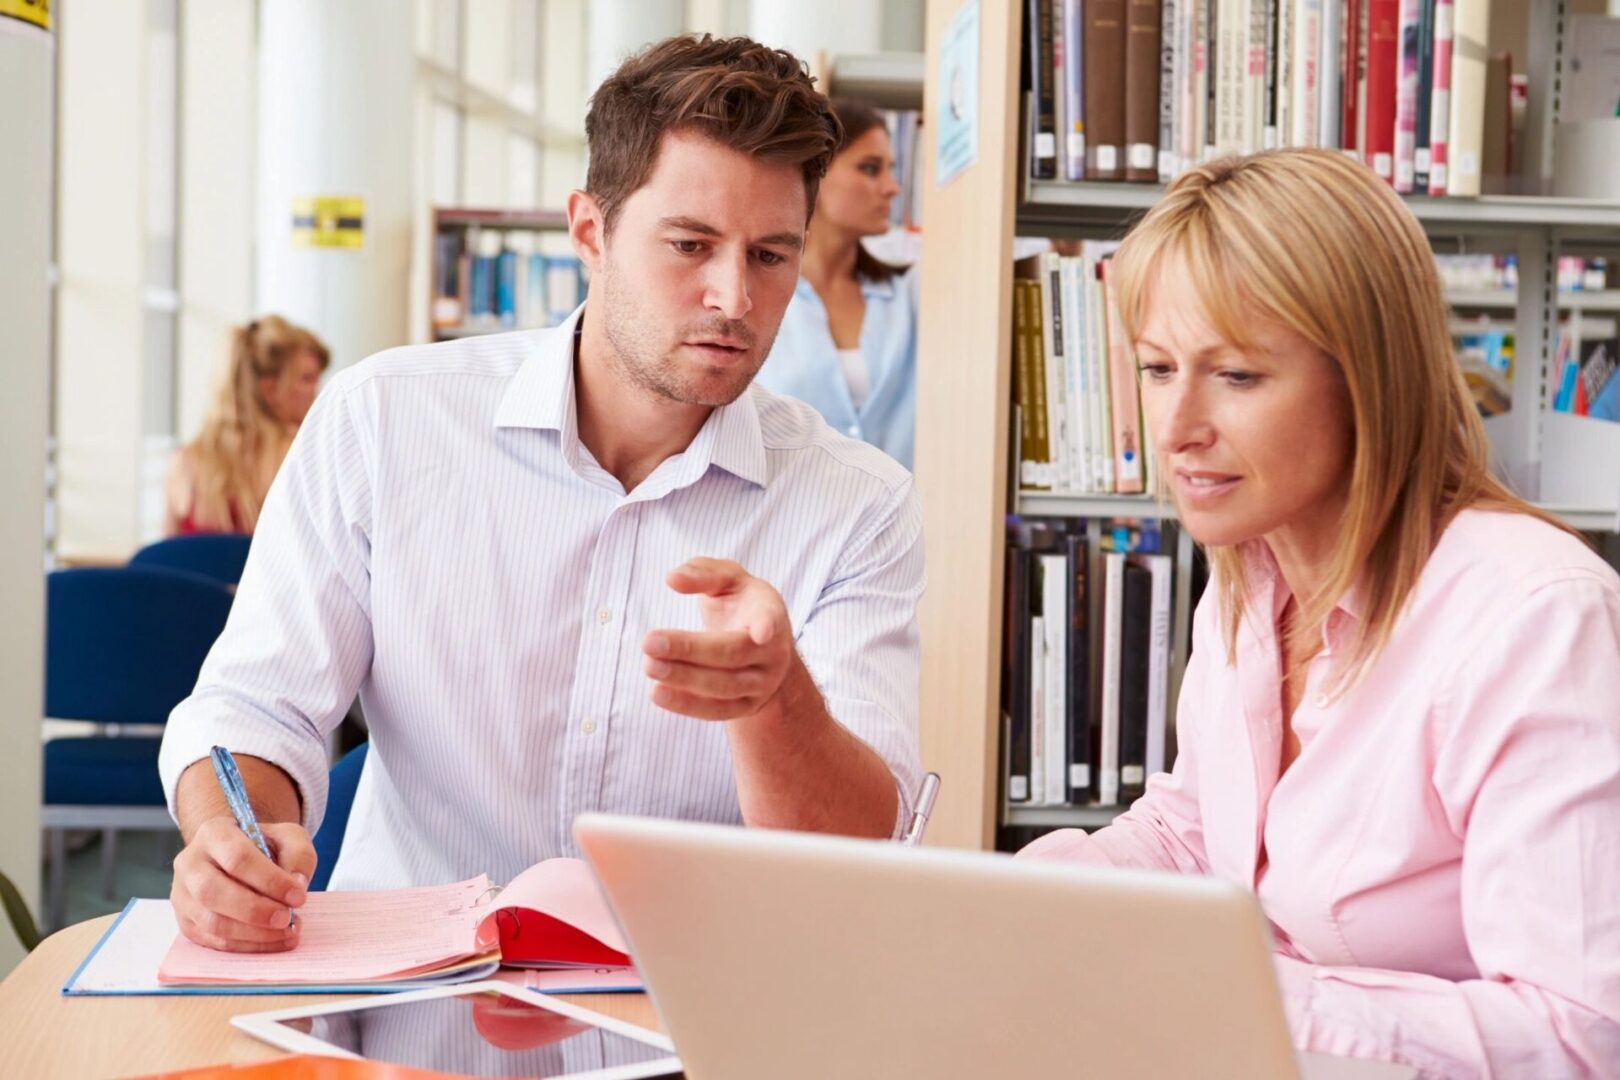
x,y
585,568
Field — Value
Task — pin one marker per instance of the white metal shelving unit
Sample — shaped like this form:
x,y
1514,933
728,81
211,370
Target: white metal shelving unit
x,y
1569,465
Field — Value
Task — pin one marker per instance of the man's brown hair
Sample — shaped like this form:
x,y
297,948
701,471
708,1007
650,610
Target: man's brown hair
x,y
754,99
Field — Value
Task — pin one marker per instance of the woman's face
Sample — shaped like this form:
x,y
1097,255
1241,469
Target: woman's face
x,y
1252,443
859,186
289,395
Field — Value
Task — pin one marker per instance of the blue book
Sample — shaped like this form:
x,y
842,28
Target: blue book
x,y
506,268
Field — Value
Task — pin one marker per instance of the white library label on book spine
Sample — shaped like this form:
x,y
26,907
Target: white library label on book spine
x,y
1107,158
1132,774
1141,155
1045,144
1384,164
1077,144
1079,776
1420,158
1437,178
1018,788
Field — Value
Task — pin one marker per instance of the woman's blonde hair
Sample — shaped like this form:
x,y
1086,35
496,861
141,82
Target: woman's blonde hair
x,y
229,457
1314,241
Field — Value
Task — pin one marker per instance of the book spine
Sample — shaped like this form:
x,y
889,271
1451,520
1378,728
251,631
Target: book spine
x,y
1440,99
1043,149
1055,612
1406,94
506,294
1199,143
1255,105
1077,668
1136,639
1074,383
1037,699
1142,90
1330,24
1060,99
1349,75
1383,62
1273,17
1158,698
1016,675
1074,148
1359,127
1285,72
1057,409
1189,133
1307,89
1127,409
1103,42
1108,729
1425,92
1024,388
1466,130
1100,383
1232,27
1169,115
1212,78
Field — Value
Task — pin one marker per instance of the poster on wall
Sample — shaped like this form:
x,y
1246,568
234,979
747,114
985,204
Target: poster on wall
x,y
958,145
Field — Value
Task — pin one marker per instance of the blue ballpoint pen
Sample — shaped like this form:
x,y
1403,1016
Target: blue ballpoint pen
x,y
230,782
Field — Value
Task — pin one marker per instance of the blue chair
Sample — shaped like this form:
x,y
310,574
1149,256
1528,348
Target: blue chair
x,y
122,647
344,781
216,555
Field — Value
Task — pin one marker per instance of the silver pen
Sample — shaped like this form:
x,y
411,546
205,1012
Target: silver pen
x,y
925,806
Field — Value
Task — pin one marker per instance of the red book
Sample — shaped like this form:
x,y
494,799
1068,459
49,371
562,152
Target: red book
x,y
1383,54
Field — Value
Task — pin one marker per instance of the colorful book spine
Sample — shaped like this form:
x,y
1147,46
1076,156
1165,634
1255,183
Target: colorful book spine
x,y
1471,23
1440,99
1074,140
1127,409
1383,64
1406,97
1142,78
1103,42
1043,149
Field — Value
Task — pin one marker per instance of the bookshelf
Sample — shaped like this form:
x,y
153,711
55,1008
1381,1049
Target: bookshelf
x,y
467,293
1570,464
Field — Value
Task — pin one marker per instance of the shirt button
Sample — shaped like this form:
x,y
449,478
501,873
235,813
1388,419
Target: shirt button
x,y
604,616
588,727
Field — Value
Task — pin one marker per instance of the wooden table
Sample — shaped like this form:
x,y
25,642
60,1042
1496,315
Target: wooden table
x,y
45,1035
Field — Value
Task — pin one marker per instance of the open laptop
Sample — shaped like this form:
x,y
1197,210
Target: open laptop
x,y
789,955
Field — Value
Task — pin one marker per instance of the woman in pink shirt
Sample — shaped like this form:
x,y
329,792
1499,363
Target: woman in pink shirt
x,y
1400,723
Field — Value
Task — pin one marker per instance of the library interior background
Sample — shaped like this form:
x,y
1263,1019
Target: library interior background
x,y
386,172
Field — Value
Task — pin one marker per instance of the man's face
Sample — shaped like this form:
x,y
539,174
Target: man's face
x,y
698,269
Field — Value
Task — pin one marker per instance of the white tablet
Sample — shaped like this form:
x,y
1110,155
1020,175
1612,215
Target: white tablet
x,y
475,1029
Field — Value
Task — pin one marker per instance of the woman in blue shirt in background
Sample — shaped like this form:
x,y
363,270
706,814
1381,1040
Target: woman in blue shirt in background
x,y
848,342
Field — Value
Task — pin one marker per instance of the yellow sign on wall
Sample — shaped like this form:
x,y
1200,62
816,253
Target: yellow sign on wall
x,y
35,12
328,221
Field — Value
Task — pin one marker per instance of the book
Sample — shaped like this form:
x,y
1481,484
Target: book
x,y
1135,644
550,916
1015,676
1425,91
1383,59
1107,756
1055,616
1406,96
1161,571
1127,410
1471,23
1142,79
1440,98
1074,98
1043,149
1103,45
1077,668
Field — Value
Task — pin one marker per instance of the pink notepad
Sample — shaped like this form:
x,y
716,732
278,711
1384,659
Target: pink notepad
x,y
551,915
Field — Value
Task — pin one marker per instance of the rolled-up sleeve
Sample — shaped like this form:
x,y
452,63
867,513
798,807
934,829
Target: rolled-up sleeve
x,y
298,641
860,641
1529,773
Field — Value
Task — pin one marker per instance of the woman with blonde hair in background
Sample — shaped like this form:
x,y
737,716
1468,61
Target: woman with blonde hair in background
x,y
1400,722
217,482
